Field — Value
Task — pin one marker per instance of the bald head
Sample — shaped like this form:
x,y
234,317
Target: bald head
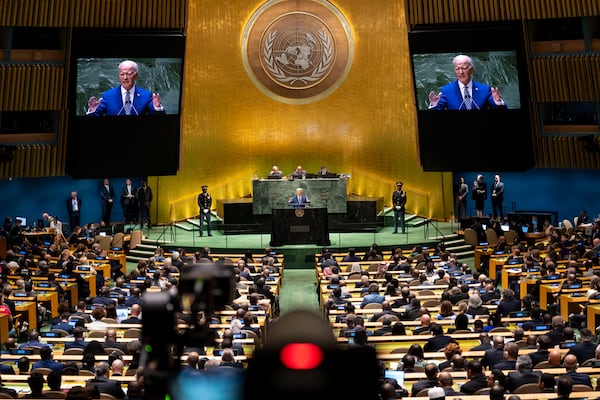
x,y
425,320
570,362
498,341
554,358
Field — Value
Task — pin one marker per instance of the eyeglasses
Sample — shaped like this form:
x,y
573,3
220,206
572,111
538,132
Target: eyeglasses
x,y
468,67
127,73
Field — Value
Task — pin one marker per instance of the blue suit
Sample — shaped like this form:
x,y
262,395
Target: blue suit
x,y
299,202
452,98
112,103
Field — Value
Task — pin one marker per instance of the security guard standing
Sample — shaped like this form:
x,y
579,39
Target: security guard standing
x,y
399,204
205,202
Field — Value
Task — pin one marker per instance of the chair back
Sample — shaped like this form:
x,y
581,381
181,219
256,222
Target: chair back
x,y
470,237
491,236
528,388
41,370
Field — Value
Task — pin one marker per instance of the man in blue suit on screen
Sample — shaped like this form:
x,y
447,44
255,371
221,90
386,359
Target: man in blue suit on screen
x,y
299,199
465,93
126,99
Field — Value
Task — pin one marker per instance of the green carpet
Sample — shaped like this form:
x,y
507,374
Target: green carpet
x,y
298,291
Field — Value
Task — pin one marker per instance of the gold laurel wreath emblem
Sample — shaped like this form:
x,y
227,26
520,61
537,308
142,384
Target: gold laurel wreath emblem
x,y
280,75
299,212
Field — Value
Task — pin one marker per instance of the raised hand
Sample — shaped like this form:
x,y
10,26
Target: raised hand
x,y
156,100
93,103
434,98
496,95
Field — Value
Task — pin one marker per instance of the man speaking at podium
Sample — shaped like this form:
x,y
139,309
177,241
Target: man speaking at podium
x,y
126,99
299,200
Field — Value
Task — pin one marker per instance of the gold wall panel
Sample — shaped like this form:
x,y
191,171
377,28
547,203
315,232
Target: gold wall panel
x,y
232,132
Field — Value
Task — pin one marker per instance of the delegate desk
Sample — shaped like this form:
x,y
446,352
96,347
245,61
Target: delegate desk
x,y
300,226
328,193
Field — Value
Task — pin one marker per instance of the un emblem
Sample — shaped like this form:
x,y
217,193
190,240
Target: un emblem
x,y
297,52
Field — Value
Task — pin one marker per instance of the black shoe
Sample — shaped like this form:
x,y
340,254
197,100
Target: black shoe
x,y
210,234
201,234
395,232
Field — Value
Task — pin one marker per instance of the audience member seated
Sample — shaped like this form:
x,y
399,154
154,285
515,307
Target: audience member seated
x,y
577,378
134,317
495,354
47,360
511,352
585,349
431,380
110,341
64,323
104,384
476,378
523,375
438,341
36,385
78,339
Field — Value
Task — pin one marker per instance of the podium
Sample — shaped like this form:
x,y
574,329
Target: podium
x,y
299,226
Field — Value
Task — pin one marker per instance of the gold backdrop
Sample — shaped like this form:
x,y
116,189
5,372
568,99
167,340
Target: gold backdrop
x,y
233,132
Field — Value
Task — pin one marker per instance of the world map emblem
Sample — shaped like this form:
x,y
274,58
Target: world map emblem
x,y
297,52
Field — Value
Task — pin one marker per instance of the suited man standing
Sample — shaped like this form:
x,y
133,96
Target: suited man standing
x,y
465,93
128,202
299,199
73,204
144,199
127,98
205,203
107,195
399,205
497,197
461,192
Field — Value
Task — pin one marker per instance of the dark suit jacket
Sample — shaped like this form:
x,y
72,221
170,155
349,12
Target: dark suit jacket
x,y
109,386
69,206
437,342
583,351
477,382
452,98
112,103
492,357
132,320
579,379
77,343
518,378
105,194
506,364
539,356
423,384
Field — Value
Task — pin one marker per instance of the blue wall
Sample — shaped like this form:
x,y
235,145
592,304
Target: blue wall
x,y
33,196
564,191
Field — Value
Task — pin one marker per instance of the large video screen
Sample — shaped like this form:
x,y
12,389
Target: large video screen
x,y
471,92
125,103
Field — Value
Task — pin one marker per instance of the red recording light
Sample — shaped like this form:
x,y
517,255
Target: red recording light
x,y
301,355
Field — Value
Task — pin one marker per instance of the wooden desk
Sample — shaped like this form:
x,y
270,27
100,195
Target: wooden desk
x,y
3,328
510,272
49,298
548,289
569,303
496,261
29,311
592,310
